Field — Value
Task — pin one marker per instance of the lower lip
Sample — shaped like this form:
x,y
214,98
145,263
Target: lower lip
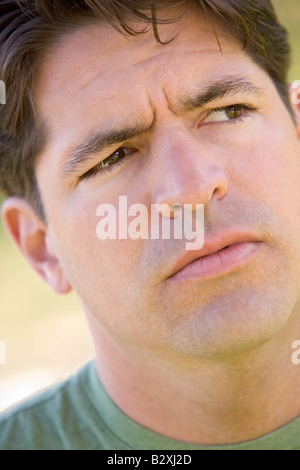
x,y
223,262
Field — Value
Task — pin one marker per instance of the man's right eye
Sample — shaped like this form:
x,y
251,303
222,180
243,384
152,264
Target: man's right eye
x,y
116,159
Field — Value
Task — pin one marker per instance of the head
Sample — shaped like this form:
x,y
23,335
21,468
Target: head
x,y
79,69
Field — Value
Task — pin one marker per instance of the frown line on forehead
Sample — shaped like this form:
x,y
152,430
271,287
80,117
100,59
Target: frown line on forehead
x,y
106,136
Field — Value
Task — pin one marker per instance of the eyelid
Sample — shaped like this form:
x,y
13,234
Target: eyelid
x,y
98,169
246,107
109,168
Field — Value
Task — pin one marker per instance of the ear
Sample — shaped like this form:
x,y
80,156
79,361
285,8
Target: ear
x,y
295,100
32,237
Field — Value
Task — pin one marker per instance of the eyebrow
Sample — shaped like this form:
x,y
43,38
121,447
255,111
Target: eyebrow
x,y
227,86
105,137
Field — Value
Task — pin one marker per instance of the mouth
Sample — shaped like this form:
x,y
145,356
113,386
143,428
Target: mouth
x,y
217,258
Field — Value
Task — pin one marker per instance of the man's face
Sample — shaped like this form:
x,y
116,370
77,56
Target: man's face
x,y
243,164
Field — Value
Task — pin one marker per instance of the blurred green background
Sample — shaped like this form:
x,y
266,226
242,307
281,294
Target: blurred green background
x,y
289,14
45,335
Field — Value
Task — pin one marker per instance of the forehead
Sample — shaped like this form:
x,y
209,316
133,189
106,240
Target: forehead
x,y
96,73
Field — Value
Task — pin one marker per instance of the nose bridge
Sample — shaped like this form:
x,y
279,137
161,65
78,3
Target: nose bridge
x,y
186,170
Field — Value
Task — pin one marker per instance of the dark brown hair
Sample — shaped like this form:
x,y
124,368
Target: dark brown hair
x,y
28,28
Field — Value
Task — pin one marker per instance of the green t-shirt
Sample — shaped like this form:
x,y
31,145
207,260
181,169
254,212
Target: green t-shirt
x,y
79,415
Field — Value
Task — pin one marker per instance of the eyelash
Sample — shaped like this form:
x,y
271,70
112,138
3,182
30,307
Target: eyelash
x,y
107,169
247,110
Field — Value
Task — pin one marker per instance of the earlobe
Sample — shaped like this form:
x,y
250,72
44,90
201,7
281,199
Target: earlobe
x,y
30,234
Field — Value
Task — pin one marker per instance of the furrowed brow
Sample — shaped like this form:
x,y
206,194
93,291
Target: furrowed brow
x,y
100,140
97,142
228,85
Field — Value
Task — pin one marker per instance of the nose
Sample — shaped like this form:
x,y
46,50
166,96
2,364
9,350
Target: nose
x,y
186,170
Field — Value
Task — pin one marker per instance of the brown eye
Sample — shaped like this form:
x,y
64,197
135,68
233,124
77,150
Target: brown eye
x,y
114,158
234,112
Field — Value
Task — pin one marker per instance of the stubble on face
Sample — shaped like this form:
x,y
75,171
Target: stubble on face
x,y
124,284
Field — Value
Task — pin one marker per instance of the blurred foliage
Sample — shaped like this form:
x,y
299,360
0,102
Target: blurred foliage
x,y
289,14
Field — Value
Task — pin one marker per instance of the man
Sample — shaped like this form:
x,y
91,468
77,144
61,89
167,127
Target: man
x,y
175,103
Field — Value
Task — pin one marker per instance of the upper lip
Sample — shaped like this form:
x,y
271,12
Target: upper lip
x,y
211,246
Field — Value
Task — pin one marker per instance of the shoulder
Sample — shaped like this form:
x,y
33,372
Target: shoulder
x,y
44,421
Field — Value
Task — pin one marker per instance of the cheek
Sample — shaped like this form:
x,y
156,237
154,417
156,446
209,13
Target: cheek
x,y
95,268
268,167
84,253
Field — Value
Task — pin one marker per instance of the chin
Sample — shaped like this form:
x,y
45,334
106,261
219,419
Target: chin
x,y
231,325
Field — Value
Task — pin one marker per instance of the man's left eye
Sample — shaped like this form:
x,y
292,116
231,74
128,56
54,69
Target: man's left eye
x,y
228,113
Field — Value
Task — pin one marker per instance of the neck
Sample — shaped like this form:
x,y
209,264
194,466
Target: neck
x,y
209,402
